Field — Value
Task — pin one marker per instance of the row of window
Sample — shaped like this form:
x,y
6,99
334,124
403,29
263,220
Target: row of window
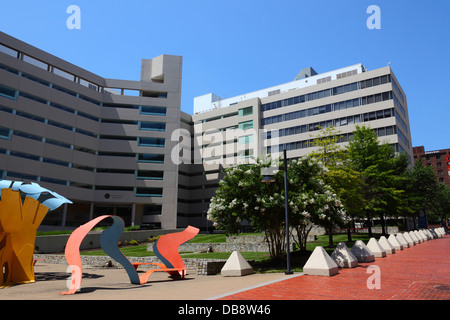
x,y
326,93
309,143
71,77
352,103
8,92
369,116
143,125
140,174
139,192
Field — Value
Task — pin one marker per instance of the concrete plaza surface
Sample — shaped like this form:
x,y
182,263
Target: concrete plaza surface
x,y
419,272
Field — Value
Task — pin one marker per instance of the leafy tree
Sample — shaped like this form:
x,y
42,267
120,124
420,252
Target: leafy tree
x,y
421,189
242,196
381,174
345,180
441,205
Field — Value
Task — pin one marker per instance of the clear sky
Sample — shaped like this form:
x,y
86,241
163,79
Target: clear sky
x,y
231,47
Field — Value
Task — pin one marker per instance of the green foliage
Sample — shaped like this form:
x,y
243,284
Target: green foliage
x,y
242,196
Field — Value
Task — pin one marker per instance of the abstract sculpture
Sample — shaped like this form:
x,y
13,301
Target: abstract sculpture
x,y
166,248
19,222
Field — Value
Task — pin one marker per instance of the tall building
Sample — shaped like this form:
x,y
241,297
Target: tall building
x,y
125,147
438,159
103,143
290,115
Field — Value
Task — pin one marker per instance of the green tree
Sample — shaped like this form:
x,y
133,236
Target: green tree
x,y
421,189
342,178
440,207
242,196
380,171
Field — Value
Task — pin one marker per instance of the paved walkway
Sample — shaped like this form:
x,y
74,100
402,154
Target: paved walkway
x,y
421,272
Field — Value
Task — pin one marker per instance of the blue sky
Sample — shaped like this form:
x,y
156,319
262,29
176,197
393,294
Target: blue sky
x,y
233,47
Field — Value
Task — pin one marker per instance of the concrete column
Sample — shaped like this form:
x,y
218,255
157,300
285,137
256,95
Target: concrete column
x,y
64,215
133,213
91,211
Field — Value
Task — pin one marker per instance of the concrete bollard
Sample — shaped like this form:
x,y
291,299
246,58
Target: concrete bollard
x,y
376,249
401,239
343,257
362,252
384,243
394,242
320,264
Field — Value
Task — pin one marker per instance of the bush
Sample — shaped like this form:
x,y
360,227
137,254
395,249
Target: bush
x,y
133,242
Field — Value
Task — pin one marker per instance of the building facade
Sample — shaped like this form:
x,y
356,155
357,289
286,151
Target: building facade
x,y
125,147
288,116
103,143
439,160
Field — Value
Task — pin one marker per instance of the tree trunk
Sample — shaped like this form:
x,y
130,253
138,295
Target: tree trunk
x,y
330,236
349,231
383,225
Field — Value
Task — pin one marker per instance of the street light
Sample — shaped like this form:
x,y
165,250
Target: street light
x,y
269,179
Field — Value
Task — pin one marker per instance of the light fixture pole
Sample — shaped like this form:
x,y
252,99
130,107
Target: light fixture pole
x,y
269,179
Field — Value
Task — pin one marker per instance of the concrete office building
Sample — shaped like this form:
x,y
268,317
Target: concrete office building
x,y
109,145
292,113
103,143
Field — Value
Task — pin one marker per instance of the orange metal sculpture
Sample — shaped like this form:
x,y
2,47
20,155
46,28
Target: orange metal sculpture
x,y
166,248
19,222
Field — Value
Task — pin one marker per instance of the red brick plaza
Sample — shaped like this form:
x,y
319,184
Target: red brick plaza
x,y
421,272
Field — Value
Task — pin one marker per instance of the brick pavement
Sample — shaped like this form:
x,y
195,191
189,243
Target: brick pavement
x,y
421,272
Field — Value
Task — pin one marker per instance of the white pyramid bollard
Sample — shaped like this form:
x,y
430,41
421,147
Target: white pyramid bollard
x,y
236,266
418,235
434,234
384,243
424,237
361,252
401,239
343,257
424,234
376,249
414,237
408,238
320,264
428,234
394,242
439,232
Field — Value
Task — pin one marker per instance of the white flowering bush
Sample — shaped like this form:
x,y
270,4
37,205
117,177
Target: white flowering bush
x,y
242,196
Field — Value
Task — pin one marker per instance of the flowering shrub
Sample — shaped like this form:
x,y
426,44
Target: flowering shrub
x,y
241,196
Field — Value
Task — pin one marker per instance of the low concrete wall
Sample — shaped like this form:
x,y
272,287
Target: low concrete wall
x,y
57,243
202,267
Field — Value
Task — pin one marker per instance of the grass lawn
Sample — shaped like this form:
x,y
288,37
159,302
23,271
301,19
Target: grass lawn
x,y
261,261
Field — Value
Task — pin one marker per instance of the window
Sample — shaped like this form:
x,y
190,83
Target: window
x,y
152,142
7,92
246,139
152,210
150,175
35,62
245,111
8,51
63,74
246,125
155,111
152,126
152,158
149,192
4,133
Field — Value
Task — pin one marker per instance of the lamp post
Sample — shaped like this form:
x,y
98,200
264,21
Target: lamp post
x,y
269,179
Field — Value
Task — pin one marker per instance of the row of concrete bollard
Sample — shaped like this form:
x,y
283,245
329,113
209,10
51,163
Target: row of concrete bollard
x,y
322,264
